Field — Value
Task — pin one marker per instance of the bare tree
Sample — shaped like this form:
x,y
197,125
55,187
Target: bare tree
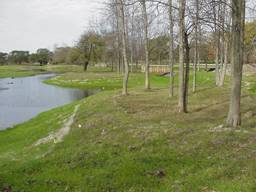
x,y
146,46
238,19
182,103
121,20
225,43
196,53
217,40
171,47
187,69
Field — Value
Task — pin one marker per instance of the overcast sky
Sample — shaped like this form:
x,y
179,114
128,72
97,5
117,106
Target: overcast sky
x,y
32,24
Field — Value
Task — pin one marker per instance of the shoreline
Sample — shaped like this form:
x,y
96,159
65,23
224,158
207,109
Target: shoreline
x,y
39,79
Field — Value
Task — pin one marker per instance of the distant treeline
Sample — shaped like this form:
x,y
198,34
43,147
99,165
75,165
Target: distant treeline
x,y
91,45
101,46
42,56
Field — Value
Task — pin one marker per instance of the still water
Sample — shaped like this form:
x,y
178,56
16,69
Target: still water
x,y
23,98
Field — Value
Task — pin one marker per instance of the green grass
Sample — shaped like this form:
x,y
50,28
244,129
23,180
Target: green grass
x,y
18,70
113,81
29,69
134,143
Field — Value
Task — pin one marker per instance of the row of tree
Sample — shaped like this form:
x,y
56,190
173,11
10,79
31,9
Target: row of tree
x,y
42,56
101,44
174,31
91,46
188,23
133,32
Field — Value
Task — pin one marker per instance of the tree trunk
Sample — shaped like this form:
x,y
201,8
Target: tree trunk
x,y
124,46
238,19
186,82
159,58
224,69
196,54
145,22
86,63
132,49
222,44
112,64
118,39
226,51
182,4
171,55
199,42
217,45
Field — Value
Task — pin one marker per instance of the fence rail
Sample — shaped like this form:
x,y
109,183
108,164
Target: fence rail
x,y
166,68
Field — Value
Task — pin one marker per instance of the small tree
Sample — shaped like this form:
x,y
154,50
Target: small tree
x,y
43,56
92,46
3,58
60,55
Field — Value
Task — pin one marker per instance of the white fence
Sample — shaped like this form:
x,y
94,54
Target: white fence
x,y
166,68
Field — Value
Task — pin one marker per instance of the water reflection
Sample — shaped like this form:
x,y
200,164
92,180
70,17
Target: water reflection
x,y
23,98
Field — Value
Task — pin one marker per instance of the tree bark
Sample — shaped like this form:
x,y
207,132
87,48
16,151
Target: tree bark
x,y
86,63
124,46
145,23
181,106
118,39
199,42
217,44
224,69
224,45
226,51
186,82
238,19
196,54
171,48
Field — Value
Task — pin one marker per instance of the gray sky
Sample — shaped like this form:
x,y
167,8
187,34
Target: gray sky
x,y
32,24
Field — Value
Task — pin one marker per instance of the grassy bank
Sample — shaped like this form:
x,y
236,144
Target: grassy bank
x,y
134,143
29,70
19,70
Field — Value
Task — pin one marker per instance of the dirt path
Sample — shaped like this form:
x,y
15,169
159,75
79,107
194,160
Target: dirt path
x,y
61,133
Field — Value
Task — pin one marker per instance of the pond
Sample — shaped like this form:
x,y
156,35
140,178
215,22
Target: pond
x,y
23,98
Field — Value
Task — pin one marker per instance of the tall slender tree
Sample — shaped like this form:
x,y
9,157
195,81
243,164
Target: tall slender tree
x,y
146,44
121,20
226,44
182,4
196,53
238,19
171,47
217,40
118,38
187,71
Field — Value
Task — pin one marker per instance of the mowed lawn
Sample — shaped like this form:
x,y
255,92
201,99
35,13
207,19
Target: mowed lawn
x,y
135,143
